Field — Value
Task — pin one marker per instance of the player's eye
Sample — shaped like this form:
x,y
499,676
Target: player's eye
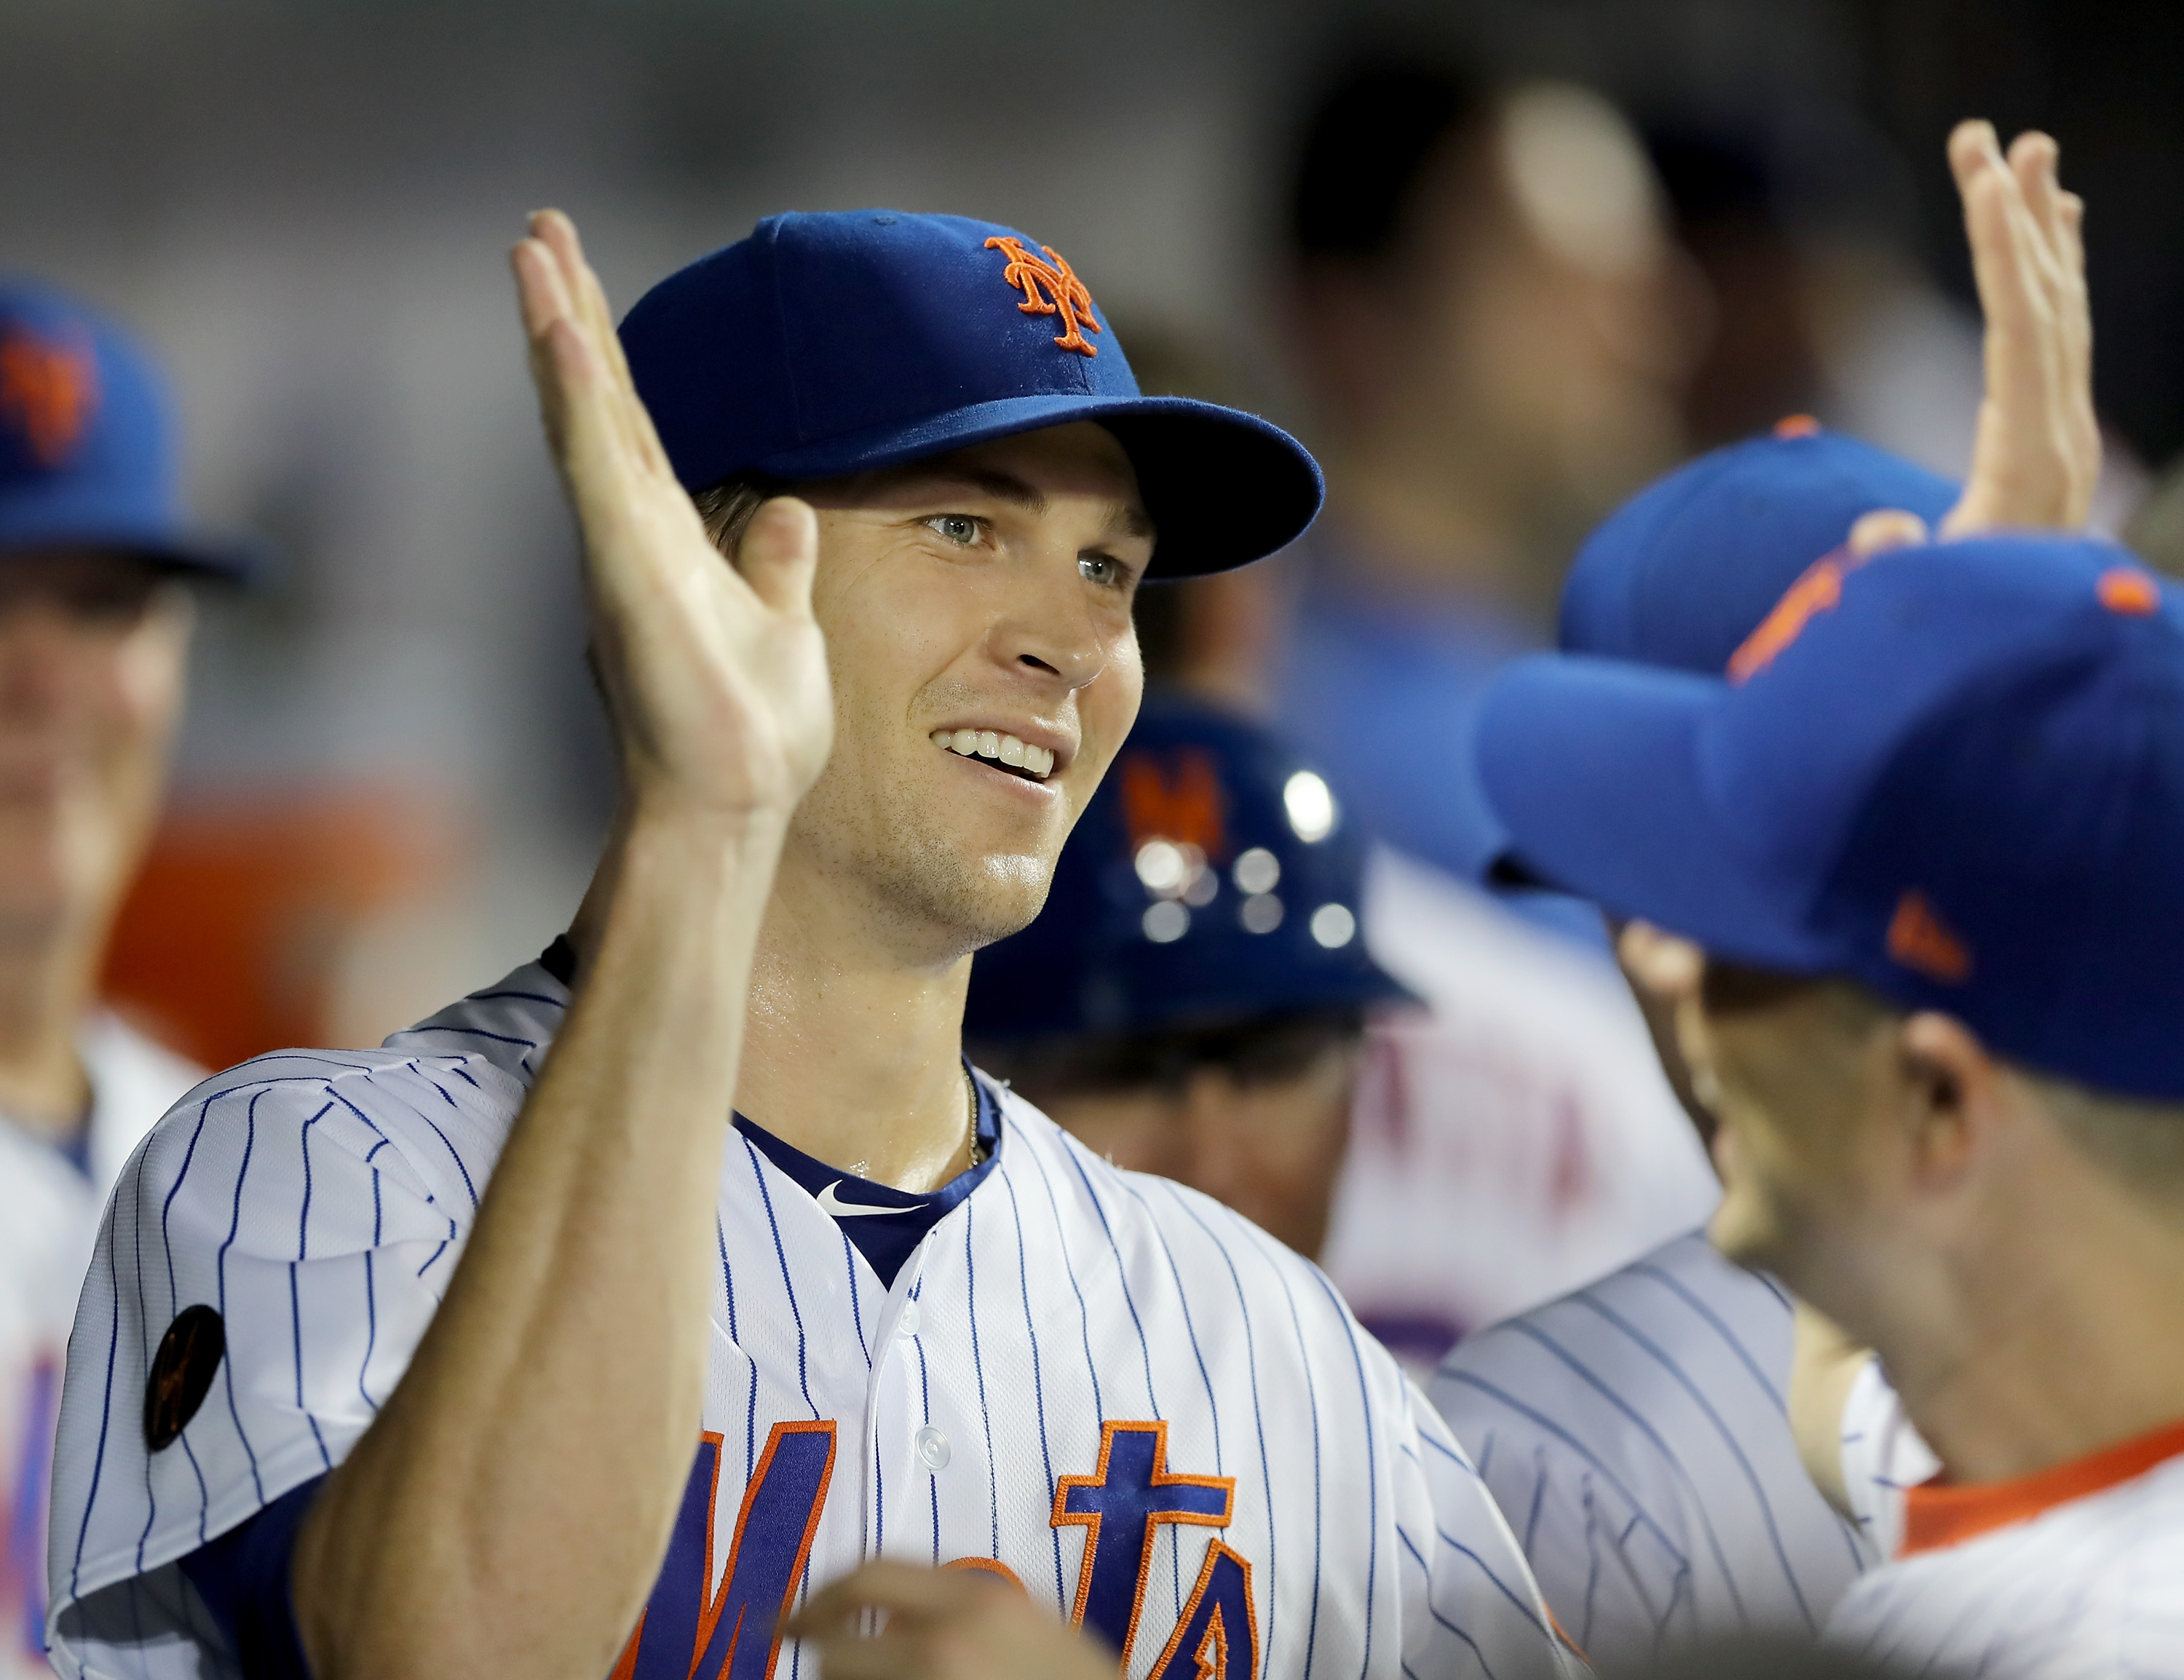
x,y
1104,569
961,529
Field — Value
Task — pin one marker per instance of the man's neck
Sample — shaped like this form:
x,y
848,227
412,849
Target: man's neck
x,y
853,1039
45,986
2067,1339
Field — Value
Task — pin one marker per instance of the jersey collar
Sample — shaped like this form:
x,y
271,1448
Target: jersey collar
x,y
1936,1515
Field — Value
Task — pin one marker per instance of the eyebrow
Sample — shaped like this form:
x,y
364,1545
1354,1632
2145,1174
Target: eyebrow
x,y
1007,487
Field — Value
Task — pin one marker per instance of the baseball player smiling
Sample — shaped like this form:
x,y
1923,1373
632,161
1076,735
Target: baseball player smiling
x,y
504,1348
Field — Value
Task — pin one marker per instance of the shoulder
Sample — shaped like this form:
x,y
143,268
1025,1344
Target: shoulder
x,y
427,1111
1229,1275
1680,1330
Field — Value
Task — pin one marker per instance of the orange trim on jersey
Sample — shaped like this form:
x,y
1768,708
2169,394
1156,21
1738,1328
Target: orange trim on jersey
x,y
1938,1514
1212,1656
1562,1632
625,1668
990,1565
1089,1521
1795,425
711,1618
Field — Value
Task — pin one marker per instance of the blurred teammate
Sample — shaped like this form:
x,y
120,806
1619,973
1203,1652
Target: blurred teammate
x,y
1924,857
1636,1431
691,1266
1927,860
1196,1000
1484,315
1191,1001
94,644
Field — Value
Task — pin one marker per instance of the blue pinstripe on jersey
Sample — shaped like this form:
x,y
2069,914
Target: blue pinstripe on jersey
x,y
313,1173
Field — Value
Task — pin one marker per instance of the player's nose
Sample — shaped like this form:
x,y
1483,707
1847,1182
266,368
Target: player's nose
x,y
1047,630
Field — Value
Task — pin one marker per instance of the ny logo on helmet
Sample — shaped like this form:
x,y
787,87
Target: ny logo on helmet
x,y
48,392
1049,288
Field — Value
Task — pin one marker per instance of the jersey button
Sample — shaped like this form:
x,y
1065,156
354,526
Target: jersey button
x,y
931,1448
907,1324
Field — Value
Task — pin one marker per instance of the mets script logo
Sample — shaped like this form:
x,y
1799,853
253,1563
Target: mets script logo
x,y
1050,288
48,393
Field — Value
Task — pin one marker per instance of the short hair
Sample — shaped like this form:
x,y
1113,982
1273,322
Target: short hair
x,y
729,508
1365,149
2138,1142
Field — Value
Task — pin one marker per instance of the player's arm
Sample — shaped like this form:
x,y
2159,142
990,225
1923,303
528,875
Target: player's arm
x,y
508,1510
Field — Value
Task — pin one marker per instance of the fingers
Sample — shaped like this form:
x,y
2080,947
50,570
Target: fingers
x,y
779,553
1885,528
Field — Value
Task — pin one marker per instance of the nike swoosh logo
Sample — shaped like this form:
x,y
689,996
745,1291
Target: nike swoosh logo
x,y
828,1203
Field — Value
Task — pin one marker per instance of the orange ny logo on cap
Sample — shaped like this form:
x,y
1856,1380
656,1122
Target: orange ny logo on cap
x,y
1185,807
48,393
1921,941
1819,590
1049,288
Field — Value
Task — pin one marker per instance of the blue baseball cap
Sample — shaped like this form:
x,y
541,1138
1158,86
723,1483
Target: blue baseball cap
x,y
1955,774
1681,574
840,342
87,442
1210,880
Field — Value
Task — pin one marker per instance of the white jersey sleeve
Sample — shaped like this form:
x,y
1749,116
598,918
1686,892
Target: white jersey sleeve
x,y
316,1203
1634,1433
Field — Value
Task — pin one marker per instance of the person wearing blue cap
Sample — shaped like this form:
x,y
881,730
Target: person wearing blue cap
x,y
1196,1000
617,1318
94,649
1924,835
1641,1421
1192,1000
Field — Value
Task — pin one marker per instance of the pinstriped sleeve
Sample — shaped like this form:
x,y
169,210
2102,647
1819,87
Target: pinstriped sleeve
x,y
317,1206
1470,1604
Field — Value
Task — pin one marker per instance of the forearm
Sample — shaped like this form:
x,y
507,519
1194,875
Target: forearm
x,y
508,1510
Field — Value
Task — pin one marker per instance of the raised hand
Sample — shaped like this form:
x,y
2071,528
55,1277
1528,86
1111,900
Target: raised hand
x,y
715,676
2038,451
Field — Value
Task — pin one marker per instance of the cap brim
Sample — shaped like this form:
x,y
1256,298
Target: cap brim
x,y
228,561
1223,488
1595,766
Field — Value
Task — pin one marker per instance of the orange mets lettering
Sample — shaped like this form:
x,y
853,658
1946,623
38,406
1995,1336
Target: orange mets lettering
x,y
1049,288
47,393
1186,808
1817,591
1920,940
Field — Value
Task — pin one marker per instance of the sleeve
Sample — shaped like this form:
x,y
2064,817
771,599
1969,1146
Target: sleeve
x,y
1470,1604
265,1271
242,1577
1882,1454
1614,1567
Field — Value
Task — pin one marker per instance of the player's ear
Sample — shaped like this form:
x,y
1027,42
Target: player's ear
x,y
1948,1089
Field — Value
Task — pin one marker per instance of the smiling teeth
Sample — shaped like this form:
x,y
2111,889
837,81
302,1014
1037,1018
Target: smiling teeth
x,y
988,743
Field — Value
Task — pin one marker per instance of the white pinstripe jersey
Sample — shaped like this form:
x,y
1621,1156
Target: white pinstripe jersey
x,y
1636,1432
2058,1588
1148,1411
49,1209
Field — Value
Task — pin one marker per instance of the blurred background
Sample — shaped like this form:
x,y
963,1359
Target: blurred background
x,y
393,778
